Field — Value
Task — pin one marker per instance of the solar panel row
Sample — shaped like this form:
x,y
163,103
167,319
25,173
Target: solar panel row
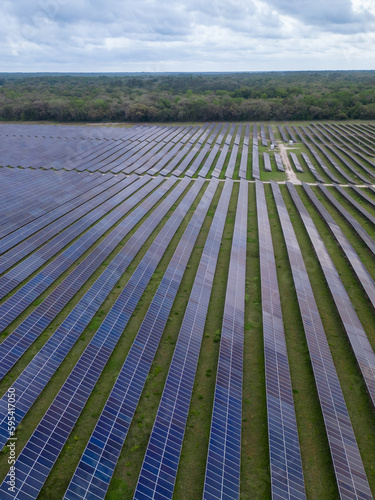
x,y
245,153
339,156
350,474
279,163
224,450
87,201
24,296
38,372
285,457
356,334
12,348
355,261
349,218
282,133
90,478
41,451
159,469
256,173
296,162
263,136
267,162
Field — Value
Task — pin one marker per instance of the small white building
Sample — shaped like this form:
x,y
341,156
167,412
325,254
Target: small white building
x,y
291,143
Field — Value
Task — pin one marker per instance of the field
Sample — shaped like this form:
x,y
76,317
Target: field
x,y
187,311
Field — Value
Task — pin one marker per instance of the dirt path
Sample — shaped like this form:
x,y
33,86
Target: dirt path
x,y
290,174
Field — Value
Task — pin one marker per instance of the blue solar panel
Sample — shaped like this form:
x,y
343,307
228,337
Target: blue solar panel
x,y
119,410
285,458
224,450
360,344
362,273
12,348
80,383
169,426
347,462
46,362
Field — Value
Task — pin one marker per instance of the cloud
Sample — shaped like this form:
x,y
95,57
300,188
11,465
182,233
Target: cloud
x,y
189,35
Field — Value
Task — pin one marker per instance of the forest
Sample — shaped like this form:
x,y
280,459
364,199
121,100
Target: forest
x,y
181,97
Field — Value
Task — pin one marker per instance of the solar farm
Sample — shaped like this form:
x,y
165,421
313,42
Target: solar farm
x,y
187,311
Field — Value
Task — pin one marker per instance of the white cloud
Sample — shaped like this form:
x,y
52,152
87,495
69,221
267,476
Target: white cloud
x,y
190,35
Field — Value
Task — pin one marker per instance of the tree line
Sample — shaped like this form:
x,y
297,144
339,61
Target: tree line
x,y
159,97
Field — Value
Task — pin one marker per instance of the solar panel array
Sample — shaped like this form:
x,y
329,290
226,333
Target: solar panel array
x,y
349,470
58,422
349,218
279,163
296,162
159,468
224,450
98,461
355,261
360,344
38,372
285,456
12,348
95,199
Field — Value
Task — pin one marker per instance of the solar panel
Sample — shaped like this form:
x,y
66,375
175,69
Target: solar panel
x,y
285,457
48,359
122,402
224,450
78,386
347,462
361,346
167,435
363,275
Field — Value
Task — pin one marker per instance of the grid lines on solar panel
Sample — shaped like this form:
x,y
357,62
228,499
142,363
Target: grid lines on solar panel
x,y
12,348
164,448
285,457
119,409
23,297
47,360
349,218
355,261
77,388
333,149
360,344
329,134
222,478
347,463
88,201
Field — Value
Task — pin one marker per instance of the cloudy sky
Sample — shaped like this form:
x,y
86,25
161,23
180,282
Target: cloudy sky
x,y
186,35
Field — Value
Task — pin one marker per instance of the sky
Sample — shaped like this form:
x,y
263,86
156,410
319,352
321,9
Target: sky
x,y
186,35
